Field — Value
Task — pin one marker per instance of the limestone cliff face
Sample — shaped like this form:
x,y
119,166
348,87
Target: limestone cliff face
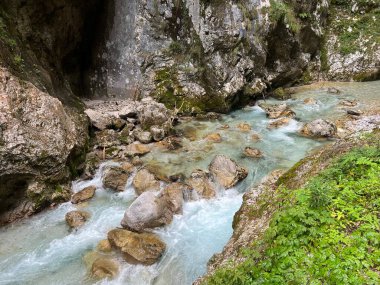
x,y
350,48
207,55
39,143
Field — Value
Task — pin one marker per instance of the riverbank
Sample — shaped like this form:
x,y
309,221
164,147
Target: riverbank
x,y
317,223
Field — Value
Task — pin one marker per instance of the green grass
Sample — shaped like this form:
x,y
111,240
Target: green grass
x,y
326,233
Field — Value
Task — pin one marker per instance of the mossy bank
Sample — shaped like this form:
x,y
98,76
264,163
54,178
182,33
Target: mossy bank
x,y
317,224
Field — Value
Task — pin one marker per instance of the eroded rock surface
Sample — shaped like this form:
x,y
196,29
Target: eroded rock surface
x,y
76,219
319,128
200,182
83,195
115,178
144,181
149,210
137,248
277,111
39,137
226,172
104,268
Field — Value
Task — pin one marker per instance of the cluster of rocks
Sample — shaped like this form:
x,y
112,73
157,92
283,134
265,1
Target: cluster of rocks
x,y
155,206
125,128
120,123
282,114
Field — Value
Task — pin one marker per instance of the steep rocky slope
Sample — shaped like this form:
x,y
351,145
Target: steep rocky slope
x,y
209,55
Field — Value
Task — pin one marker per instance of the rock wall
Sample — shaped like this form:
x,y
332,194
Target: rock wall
x,y
351,42
49,42
207,55
40,142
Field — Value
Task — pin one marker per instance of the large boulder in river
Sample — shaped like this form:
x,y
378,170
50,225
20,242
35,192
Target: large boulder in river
x,y
39,139
173,196
76,219
145,181
201,183
277,111
115,178
319,129
83,195
137,248
226,172
149,210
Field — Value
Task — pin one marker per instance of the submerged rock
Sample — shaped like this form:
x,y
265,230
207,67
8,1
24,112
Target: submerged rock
x,y
137,248
279,123
244,127
348,103
115,178
255,137
104,267
277,111
201,183
310,101
253,152
83,195
214,137
76,219
319,129
172,143
104,246
145,181
333,90
226,172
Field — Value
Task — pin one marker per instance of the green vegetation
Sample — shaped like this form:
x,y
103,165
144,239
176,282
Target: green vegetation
x,y
4,35
356,28
281,11
326,233
169,92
